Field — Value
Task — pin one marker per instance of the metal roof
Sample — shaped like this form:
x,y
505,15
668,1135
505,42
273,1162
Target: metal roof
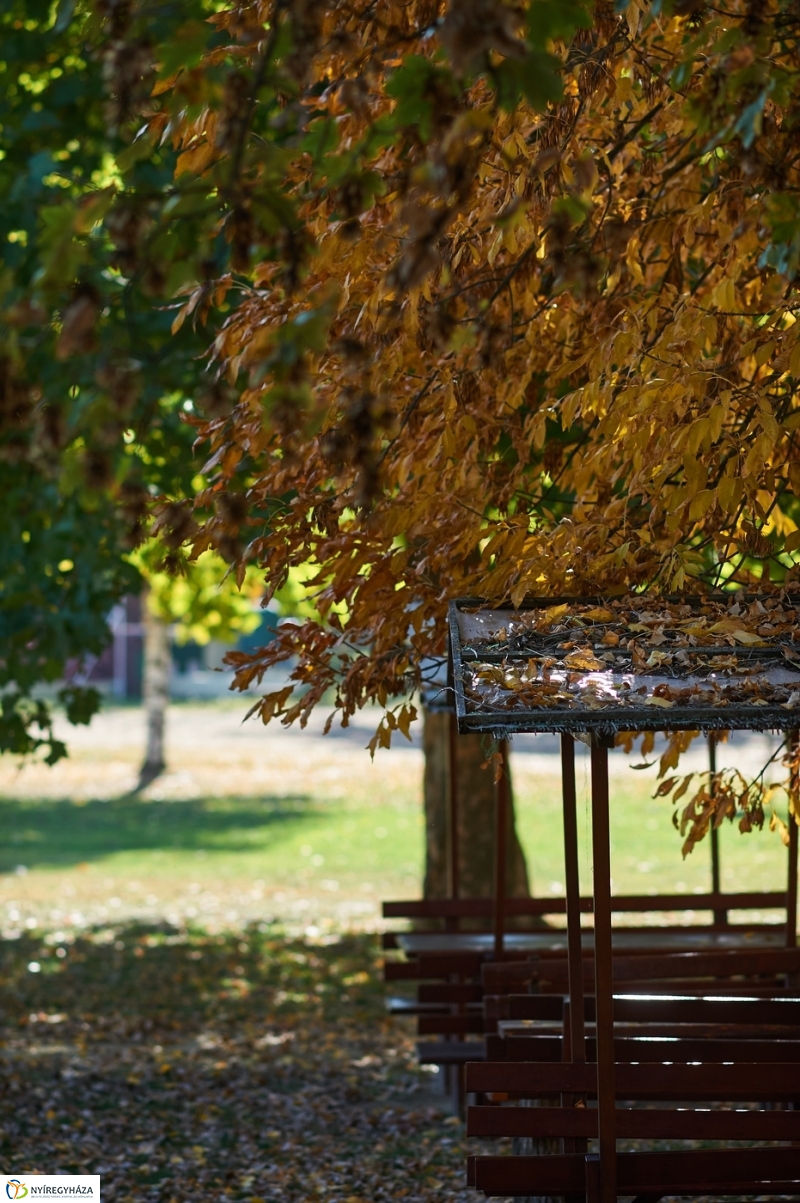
x,y
632,663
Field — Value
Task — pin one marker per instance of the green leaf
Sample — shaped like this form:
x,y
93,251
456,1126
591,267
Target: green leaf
x,y
552,19
681,75
62,254
309,330
184,49
417,86
322,138
80,702
576,211
536,77
64,15
748,127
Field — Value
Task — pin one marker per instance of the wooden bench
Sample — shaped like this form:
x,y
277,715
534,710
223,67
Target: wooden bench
x,y
677,1070
775,1082
645,1176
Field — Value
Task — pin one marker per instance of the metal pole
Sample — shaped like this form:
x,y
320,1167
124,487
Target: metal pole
x,y
720,915
452,806
791,889
500,846
604,997
791,893
574,949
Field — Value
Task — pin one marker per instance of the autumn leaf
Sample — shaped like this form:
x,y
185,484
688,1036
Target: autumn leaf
x,y
583,660
746,637
196,159
551,615
597,614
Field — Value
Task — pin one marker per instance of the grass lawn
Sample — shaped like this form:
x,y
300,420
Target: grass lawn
x,y
251,824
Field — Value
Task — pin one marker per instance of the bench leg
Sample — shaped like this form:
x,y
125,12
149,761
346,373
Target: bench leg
x,y
604,993
592,1164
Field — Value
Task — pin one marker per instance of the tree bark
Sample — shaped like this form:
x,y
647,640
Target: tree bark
x,y
155,693
476,794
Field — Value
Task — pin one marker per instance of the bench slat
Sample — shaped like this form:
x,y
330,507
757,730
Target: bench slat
x,y
666,1009
652,1124
710,1171
550,1048
477,908
745,1082
450,1025
449,1052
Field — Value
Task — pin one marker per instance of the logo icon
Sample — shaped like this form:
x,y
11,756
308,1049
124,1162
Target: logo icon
x,y
16,1189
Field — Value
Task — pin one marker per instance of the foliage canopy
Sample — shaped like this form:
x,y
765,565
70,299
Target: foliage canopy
x,y
496,299
512,310
92,381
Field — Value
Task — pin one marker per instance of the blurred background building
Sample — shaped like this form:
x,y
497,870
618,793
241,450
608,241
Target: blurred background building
x,y
197,671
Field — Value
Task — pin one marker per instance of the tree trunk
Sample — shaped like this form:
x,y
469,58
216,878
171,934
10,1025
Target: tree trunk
x,y
475,794
155,693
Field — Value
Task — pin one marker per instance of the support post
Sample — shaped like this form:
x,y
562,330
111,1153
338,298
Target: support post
x,y
791,887
720,915
791,893
500,845
604,997
452,807
577,1051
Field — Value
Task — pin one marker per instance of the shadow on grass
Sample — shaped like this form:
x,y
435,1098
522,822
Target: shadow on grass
x,y
59,833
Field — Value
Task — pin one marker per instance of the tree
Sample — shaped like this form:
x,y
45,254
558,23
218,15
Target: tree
x,y
512,310
60,576
93,385
203,603
475,806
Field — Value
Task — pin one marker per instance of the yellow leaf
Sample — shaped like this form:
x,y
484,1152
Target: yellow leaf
x,y
654,700
697,432
583,660
632,260
729,493
598,614
725,626
632,17
715,419
701,504
518,592
196,159
551,615
763,353
746,637
776,824
696,629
